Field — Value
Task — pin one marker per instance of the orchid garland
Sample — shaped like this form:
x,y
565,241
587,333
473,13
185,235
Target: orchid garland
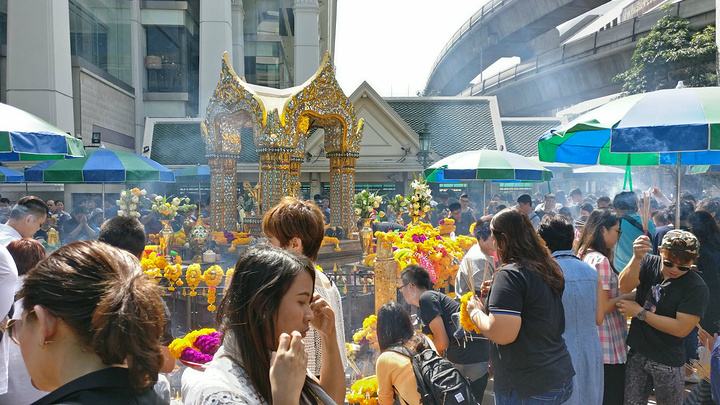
x,y
198,346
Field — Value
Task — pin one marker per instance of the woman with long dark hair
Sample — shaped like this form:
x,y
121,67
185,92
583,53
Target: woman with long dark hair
x,y
525,318
595,247
396,378
90,327
268,308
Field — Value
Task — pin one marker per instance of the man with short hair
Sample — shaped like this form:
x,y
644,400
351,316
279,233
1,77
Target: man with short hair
x,y
670,299
631,226
462,220
603,203
465,206
78,227
576,201
548,207
25,219
524,205
478,262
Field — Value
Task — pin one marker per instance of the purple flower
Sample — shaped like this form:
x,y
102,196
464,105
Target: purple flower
x,y
419,238
194,356
208,344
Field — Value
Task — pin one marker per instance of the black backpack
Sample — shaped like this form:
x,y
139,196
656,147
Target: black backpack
x,y
438,381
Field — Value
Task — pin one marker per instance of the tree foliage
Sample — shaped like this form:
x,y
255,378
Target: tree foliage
x,y
671,52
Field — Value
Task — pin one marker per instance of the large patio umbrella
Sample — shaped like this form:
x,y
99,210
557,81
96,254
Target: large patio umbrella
x,y
682,124
8,175
487,165
25,137
100,167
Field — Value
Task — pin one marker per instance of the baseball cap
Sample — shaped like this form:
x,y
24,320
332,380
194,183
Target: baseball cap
x,y
680,241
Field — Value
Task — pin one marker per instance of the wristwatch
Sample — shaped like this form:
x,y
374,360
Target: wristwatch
x,y
641,315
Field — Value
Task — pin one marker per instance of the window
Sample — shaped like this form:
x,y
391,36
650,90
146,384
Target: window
x,y
101,35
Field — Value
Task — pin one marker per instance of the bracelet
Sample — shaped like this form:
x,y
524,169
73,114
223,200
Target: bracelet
x,y
472,314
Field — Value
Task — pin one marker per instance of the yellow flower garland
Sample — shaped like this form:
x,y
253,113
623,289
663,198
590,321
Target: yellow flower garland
x,y
368,331
213,277
193,276
465,320
172,273
364,391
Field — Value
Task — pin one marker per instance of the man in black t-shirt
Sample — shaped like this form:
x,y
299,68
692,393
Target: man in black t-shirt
x,y
669,301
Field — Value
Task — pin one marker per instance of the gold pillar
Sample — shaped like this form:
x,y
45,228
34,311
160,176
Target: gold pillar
x,y
295,166
342,190
276,178
223,191
386,275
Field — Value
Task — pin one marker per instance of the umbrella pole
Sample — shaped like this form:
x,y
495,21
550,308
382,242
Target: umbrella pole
x,y
102,203
26,188
678,164
484,204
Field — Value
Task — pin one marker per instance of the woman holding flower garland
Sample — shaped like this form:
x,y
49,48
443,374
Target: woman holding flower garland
x,y
265,313
525,318
297,226
90,327
436,311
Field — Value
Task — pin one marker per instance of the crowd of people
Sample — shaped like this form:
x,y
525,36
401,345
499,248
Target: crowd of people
x,y
554,286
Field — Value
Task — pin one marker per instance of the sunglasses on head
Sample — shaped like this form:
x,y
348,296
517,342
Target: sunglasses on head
x,y
669,264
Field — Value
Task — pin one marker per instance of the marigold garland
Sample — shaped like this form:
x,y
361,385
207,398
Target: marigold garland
x,y
213,277
465,320
368,333
364,391
198,346
423,244
172,273
193,276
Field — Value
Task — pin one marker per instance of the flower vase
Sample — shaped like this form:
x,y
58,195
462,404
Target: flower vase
x,y
366,235
166,236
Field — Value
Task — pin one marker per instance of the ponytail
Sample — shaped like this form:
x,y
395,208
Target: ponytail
x,y
103,296
124,320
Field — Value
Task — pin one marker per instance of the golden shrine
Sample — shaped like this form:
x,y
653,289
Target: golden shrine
x,y
281,120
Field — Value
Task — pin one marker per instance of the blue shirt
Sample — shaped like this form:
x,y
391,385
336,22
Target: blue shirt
x,y
581,334
630,232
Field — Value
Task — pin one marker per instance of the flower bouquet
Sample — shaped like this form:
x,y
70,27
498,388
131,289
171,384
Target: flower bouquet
x,y
420,199
399,205
366,205
368,333
130,201
168,209
364,391
197,347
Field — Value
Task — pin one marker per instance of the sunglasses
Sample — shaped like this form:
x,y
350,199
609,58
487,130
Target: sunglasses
x,y
403,286
669,264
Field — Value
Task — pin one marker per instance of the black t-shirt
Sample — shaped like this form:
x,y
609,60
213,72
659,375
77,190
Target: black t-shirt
x,y
707,264
687,294
538,360
432,304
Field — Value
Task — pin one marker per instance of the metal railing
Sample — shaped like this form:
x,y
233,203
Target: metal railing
x,y
486,9
624,33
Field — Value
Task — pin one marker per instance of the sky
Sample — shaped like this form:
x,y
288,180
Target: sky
x,y
393,44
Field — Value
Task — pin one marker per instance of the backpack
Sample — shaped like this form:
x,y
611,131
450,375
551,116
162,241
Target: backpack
x,y
438,381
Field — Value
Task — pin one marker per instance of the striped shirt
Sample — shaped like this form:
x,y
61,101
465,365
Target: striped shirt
x,y
613,331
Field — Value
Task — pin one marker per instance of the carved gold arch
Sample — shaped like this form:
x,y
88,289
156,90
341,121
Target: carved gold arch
x,y
280,135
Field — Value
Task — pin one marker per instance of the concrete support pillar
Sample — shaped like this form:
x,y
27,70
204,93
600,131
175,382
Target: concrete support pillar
x,y
215,38
39,73
138,48
307,39
238,37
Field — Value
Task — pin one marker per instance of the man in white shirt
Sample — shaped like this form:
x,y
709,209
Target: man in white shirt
x,y
25,219
478,262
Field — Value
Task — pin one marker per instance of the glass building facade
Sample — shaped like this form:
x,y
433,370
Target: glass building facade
x,y
268,44
100,34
